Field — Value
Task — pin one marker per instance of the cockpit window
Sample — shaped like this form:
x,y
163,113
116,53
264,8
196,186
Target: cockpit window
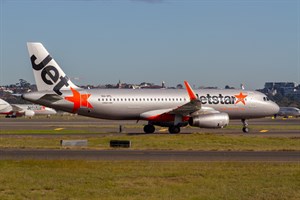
x,y
266,99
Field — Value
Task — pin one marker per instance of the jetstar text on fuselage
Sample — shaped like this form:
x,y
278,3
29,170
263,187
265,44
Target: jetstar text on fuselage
x,y
220,99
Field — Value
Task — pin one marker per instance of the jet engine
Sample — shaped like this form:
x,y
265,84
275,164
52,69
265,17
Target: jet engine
x,y
29,113
214,120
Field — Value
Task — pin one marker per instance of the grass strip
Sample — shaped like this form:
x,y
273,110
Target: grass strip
x,y
148,180
195,141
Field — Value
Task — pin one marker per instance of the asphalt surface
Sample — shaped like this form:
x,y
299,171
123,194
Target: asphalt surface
x,y
150,155
91,125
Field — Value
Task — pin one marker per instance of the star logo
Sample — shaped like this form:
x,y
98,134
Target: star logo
x,y
240,98
79,100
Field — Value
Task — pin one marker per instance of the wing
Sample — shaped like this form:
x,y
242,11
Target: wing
x,y
17,109
193,107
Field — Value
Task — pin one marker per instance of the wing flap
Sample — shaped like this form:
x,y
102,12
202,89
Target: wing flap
x,y
187,109
192,106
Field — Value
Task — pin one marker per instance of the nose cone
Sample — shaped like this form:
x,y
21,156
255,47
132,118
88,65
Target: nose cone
x,y
274,108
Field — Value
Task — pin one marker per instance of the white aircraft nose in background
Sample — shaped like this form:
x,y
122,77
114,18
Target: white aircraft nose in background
x,y
28,110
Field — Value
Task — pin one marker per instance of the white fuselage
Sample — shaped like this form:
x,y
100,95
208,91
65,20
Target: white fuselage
x,y
124,104
24,109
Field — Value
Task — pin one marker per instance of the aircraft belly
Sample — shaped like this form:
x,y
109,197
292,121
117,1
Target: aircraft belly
x,y
122,111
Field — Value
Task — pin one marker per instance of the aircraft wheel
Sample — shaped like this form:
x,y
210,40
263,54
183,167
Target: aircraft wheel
x,y
174,129
149,128
245,130
245,126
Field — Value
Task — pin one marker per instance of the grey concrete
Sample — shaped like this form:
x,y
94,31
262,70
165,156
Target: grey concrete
x,y
74,143
100,126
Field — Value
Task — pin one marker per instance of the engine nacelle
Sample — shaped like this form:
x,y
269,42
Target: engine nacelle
x,y
29,113
214,120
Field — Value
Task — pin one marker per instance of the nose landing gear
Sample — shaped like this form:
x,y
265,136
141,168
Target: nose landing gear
x,y
245,126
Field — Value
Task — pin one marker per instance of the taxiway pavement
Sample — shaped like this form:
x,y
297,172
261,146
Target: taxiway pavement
x,y
149,155
131,127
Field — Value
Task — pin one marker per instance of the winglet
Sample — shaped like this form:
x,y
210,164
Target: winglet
x,y
190,91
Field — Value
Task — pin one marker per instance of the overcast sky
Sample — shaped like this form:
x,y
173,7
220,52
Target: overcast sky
x,y
208,43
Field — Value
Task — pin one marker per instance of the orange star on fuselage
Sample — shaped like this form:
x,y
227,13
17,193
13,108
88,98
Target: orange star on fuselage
x,y
79,100
240,98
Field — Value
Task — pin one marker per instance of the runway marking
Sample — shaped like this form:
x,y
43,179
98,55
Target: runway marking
x,y
59,129
264,131
163,129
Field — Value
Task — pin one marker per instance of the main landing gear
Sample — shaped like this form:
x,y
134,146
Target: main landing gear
x,y
149,128
245,126
174,129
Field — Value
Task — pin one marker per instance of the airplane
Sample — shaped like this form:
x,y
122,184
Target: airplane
x,y
288,111
172,108
28,110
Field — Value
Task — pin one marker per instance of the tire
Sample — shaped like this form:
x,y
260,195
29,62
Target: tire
x,y
245,130
149,128
174,129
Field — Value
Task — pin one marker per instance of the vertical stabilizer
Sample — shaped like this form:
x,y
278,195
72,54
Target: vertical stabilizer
x,y
47,73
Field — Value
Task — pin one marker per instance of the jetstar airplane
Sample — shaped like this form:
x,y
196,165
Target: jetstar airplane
x,y
28,110
168,108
